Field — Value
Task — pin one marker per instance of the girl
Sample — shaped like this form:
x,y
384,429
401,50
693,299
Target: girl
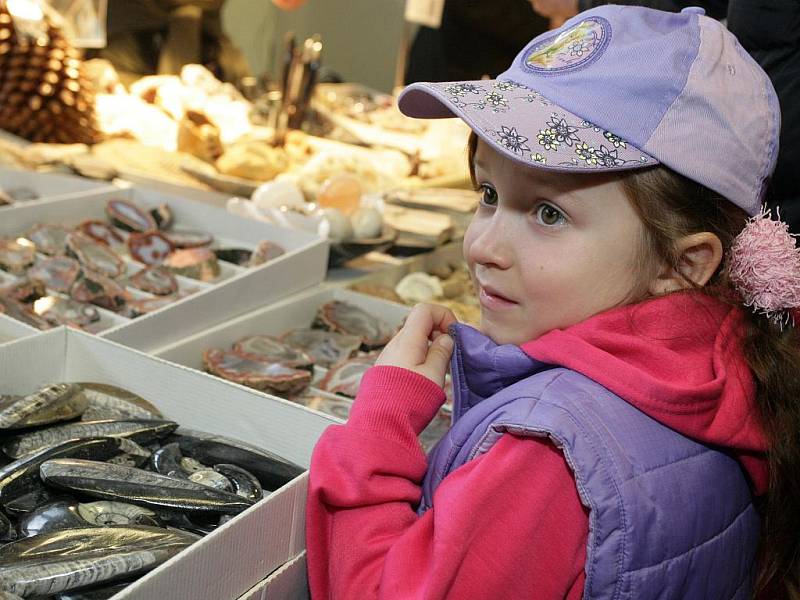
x,y
631,396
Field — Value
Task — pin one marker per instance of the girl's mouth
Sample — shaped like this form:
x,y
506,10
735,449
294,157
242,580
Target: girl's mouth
x,y
494,300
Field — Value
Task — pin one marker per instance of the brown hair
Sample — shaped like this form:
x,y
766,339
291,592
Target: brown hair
x,y
670,207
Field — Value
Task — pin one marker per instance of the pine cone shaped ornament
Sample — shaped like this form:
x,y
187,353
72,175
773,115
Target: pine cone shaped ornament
x,y
44,95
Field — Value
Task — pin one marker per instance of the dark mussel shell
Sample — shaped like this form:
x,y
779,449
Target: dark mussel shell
x,y
51,516
16,255
245,484
49,404
156,280
49,239
150,247
265,252
57,272
117,482
265,376
266,348
101,232
237,256
107,401
94,256
129,216
66,311
100,290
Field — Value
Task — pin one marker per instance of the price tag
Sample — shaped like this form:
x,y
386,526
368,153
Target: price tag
x,y
425,12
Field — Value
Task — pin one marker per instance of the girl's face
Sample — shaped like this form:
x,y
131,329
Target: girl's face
x,y
547,250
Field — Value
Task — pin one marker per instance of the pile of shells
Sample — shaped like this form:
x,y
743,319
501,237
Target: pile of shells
x,y
100,488
62,273
285,365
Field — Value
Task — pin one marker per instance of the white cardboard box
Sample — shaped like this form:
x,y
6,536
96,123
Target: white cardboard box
x,y
236,291
290,582
235,557
49,186
11,329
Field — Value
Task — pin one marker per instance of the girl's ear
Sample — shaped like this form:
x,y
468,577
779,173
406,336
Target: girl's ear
x,y
700,256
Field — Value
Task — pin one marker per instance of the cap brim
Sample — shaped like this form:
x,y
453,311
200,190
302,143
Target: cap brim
x,y
522,124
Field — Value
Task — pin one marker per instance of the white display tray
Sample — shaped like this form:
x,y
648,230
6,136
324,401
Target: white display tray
x,y
231,560
49,186
11,329
290,582
291,313
235,291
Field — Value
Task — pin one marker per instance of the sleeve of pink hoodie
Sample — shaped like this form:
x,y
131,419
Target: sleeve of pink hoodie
x,y
507,524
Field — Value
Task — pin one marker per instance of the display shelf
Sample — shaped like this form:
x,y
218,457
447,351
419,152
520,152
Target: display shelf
x,y
48,186
235,557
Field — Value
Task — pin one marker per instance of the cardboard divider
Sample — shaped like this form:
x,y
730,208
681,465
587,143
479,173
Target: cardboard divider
x,y
11,329
235,557
290,582
49,186
236,291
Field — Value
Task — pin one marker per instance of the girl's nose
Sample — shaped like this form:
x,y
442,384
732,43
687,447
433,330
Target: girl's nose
x,y
488,242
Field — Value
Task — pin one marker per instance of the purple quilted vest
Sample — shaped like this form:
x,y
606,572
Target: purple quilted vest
x,y
669,517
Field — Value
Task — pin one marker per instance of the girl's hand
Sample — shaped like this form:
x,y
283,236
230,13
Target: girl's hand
x,y
422,344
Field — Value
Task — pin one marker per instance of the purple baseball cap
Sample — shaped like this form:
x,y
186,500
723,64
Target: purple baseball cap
x,y
625,87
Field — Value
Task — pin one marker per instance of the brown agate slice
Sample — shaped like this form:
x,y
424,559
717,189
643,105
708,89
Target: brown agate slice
x,y
150,248
65,311
189,239
129,217
197,263
49,239
352,320
137,308
25,291
326,348
94,256
266,348
155,280
346,377
264,376
57,273
100,290
101,232
16,256
265,252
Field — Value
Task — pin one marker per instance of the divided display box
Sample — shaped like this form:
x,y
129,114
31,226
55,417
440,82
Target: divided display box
x,y
45,186
11,329
298,311
234,291
238,555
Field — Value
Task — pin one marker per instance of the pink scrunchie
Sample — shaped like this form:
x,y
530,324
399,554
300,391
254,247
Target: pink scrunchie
x,y
764,265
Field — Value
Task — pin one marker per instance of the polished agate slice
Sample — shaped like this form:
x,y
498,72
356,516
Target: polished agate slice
x,y
264,376
150,248
100,290
265,252
49,239
189,239
65,311
266,348
326,348
16,255
196,263
155,280
94,256
346,378
58,273
352,320
129,216
101,232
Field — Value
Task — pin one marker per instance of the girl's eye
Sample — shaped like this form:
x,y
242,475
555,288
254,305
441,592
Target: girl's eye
x,y
549,215
488,195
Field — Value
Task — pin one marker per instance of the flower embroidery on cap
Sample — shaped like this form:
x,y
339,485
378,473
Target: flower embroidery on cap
x,y
548,138
617,141
539,158
507,86
462,89
570,48
607,158
586,153
565,134
513,140
497,101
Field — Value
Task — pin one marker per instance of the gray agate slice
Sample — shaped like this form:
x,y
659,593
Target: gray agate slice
x,y
352,320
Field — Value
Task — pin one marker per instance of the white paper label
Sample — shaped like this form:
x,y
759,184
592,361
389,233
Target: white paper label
x,y
425,12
